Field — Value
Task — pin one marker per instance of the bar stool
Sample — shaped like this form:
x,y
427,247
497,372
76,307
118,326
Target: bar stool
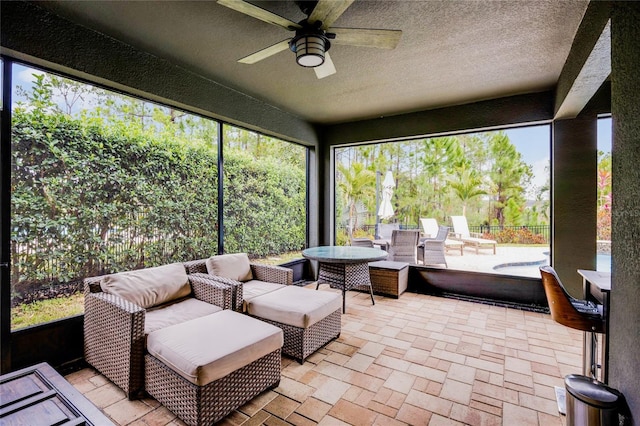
x,y
574,313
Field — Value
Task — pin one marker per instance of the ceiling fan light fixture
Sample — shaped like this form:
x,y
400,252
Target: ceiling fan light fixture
x,y
310,50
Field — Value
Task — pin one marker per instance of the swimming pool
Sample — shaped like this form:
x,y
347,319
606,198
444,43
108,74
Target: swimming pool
x,y
532,269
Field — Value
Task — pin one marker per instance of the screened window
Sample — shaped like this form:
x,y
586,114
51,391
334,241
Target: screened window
x,y
603,259
265,181
499,181
103,182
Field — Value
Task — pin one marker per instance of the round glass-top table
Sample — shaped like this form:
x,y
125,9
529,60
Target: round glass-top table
x,y
344,267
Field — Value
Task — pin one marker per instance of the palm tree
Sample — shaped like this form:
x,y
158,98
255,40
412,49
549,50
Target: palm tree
x,y
467,186
356,185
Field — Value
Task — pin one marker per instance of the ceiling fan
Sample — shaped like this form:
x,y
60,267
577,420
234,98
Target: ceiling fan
x,y
314,34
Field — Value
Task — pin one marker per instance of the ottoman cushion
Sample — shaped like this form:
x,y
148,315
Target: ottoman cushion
x,y
255,288
295,306
211,347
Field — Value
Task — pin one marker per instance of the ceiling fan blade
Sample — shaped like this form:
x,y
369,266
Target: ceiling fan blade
x,y
266,52
382,39
259,13
327,68
327,11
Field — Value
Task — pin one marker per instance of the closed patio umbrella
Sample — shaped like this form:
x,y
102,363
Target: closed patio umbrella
x,y
386,208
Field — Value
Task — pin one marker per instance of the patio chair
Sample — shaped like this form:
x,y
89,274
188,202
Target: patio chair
x,y
121,310
386,229
361,242
431,250
461,232
258,280
309,319
430,230
404,245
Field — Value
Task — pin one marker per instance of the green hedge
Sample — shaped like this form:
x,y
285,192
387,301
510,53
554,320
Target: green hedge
x,y
87,200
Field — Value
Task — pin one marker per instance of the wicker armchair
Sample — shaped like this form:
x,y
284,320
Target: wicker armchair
x,y
431,250
114,328
266,273
309,319
404,244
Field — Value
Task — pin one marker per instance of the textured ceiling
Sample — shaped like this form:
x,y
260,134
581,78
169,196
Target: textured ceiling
x,y
451,52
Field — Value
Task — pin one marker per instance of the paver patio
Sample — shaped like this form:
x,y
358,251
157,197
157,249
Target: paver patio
x,y
418,360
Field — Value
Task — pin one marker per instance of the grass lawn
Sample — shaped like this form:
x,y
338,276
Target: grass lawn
x,y
46,310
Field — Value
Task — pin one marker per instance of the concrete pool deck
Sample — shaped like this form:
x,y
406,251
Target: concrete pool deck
x,y
485,261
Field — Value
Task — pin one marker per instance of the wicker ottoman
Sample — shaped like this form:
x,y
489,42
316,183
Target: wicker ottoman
x,y
205,368
309,319
389,278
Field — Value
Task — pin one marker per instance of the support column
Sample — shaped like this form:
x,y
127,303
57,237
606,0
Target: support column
x,y
624,348
573,198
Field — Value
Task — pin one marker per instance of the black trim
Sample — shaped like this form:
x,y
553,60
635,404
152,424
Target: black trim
x,y
5,217
57,342
307,195
498,288
220,189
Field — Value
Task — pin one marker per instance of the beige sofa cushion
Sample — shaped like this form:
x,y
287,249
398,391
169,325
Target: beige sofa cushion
x,y
234,266
209,348
149,287
177,312
296,306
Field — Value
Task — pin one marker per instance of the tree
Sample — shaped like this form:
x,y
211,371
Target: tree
x,y
604,196
440,156
467,185
356,185
120,183
509,174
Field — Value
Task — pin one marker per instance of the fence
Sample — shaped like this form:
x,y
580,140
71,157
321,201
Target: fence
x,y
542,230
67,256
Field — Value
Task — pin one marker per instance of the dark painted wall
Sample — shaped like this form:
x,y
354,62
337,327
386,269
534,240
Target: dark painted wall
x,y
624,358
56,342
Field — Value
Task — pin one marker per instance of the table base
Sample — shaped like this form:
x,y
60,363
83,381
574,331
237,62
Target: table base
x,y
345,276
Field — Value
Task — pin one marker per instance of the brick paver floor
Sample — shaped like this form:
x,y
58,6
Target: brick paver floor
x,y
419,360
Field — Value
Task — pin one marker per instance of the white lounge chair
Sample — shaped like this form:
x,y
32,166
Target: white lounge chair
x,y
461,232
430,230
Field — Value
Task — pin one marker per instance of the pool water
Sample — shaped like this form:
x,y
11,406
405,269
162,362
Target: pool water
x,y
532,269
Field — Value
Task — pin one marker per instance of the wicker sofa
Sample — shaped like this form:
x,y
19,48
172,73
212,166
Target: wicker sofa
x,y
116,324
174,336
308,318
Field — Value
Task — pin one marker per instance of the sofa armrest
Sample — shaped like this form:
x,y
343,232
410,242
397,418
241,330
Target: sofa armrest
x,y
114,340
234,287
196,266
92,285
272,274
208,289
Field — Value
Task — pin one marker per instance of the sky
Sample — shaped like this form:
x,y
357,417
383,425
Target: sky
x,y
533,142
